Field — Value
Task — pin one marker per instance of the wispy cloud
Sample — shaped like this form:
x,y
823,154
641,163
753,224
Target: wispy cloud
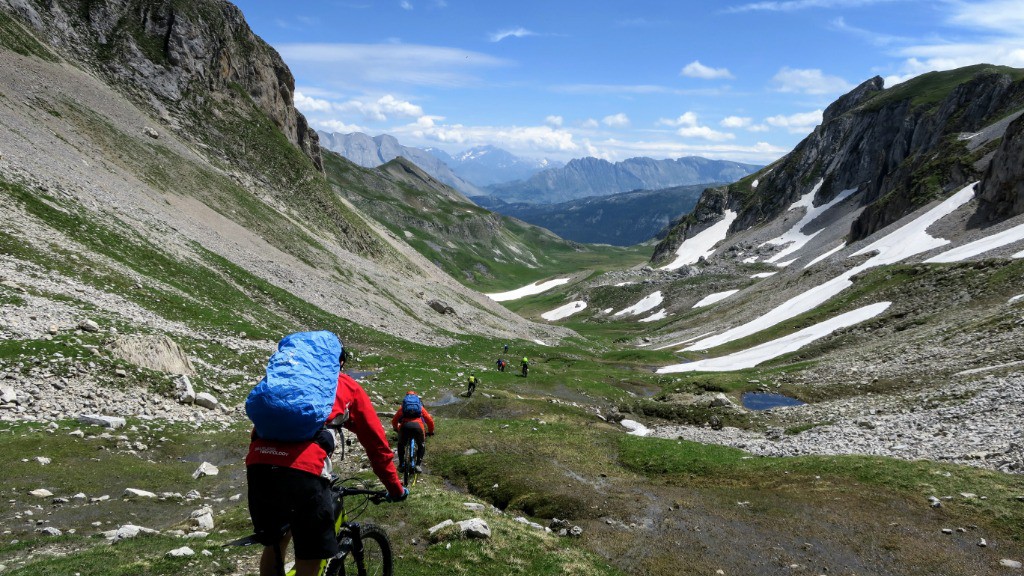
x,y
697,70
387,65
518,32
553,120
997,37
794,5
800,123
406,5
742,122
810,81
873,38
629,89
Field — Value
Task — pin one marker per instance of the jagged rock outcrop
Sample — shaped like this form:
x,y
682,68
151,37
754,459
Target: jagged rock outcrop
x,y
174,56
1002,189
900,148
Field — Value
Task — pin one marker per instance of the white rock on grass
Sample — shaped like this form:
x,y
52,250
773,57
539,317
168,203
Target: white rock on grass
x,y
433,529
207,400
474,506
112,422
205,469
182,552
1007,563
43,460
41,493
50,531
475,528
202,519
132,493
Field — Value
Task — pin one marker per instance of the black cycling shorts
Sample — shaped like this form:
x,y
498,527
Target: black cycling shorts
x,y
280,496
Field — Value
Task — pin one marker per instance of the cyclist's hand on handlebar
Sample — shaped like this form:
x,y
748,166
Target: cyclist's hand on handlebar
x,y
405,494
430,433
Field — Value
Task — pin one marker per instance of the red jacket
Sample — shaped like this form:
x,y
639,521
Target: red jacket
x,y
425,417
309,456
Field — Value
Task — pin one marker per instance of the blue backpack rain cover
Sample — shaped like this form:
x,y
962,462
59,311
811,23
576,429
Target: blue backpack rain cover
x,y
294,399
412,407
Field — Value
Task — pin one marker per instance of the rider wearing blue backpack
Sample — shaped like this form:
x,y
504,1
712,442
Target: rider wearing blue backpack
x,y
410,420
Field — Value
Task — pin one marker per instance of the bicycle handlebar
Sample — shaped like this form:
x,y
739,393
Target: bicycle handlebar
x,y
375,496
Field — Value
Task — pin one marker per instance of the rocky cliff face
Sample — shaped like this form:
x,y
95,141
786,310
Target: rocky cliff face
x,y
900,148
1002,189
174,56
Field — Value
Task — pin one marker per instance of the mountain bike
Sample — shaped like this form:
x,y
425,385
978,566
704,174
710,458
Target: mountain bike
x,y
409,474
364,549
526,369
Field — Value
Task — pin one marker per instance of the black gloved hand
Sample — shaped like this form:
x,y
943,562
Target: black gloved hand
x,y
325,439
405,494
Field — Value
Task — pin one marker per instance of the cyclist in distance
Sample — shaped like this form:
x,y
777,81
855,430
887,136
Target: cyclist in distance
x,y
471,384
410,419
526,365
289,482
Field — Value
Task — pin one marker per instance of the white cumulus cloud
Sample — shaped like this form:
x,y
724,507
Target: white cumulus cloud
x,y
383,108
619,120
800,123
337,126
553,120
689,127
697,70
809,81
309,104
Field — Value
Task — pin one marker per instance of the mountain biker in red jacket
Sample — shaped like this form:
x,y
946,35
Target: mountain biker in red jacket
x,y
289,482
413,425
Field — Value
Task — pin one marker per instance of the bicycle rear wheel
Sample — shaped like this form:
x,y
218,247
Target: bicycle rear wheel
x,y
409,473
374,559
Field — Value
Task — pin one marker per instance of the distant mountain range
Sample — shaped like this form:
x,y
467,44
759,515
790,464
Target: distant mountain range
x,y
486,165
585,177
371,152
623,219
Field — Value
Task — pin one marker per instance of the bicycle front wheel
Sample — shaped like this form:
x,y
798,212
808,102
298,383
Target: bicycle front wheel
x,y
373,560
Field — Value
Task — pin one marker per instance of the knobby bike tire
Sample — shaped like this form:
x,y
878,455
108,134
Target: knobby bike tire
x,y
376,559
409,473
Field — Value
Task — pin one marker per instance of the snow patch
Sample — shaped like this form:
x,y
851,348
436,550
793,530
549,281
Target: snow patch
x,y
794,237
825,255
906,241
764,352
659,315
528,290
703,244
1016,299
980,246
646,303
635,428
565,311
716,297
673,345
763,274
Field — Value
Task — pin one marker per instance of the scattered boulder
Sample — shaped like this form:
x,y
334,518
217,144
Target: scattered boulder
x,y
112,422
207,400
185,393
41,493
50,531
202,519
1007,563
441,307
133,493
528,522
474,528
182,552
205,469
128,531
8,395
437,527
474,506
88,326
151,132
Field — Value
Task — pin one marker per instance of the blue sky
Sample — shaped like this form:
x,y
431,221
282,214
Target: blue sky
x,y
564,79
